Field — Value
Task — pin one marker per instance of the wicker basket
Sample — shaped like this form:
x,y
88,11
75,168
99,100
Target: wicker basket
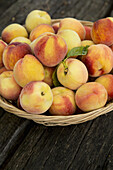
x,y
57,120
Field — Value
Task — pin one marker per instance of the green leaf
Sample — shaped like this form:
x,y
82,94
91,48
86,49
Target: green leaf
x,y
78,51
56,83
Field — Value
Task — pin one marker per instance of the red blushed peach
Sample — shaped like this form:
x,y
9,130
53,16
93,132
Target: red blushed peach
x,y
13,52
21,39
28,69
73,24
9,89
63,102
88,33
40,29
2,47
48,75
56,27
35,18
2,69
50,49
102,31
107,82
36,97
111,47
99,60
74,75
91,96
12,31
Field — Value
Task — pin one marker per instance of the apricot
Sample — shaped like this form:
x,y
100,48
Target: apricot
x,y
102,31
12,31
36,17
99,60
36,97
40,29
13,52
73,24
91,96
63,102
28,69
9,89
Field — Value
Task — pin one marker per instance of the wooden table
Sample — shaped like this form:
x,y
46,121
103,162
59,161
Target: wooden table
x,y
30,146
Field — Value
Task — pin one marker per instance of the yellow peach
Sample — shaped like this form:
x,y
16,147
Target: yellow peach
x,y
21,39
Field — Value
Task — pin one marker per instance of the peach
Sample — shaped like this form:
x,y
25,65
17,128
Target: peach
x,y
12,31
36,17
102,31
9,89
13,52
91,96
36,97
2,47
87,42
107,82
21,39
111,47
99,60
50,49
88,33
71,37
2,69
63,102
48,75
74,75
28,69
55,27
40,29
73,24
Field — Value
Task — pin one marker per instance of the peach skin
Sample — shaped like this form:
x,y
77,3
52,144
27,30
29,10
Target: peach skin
x,y
87,42
107,82
21,39
56,27
50,49
40,29
28,69
102,31
88,33
99,60
9,89
36,97
13,52
73,24
74,75
2,47
91,96
63,102
12,31
2,69
48,75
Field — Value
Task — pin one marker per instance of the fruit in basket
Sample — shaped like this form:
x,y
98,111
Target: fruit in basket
x,y
13,52
2,47
36,17
99,60
40,29
28,69
21,39
102,31
55,27
72,74
73,24
2,69
50,49
111,47
48,75
88,33
107,82
91,96
12,31
36,97
63,102
9,89
87,42
71,37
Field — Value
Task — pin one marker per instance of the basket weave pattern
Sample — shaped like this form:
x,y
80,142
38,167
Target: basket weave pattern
x,y
57,120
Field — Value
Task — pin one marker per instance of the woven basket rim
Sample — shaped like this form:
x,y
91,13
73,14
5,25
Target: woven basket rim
x,y
57,120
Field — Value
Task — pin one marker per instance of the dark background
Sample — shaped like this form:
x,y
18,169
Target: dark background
x,y
30,146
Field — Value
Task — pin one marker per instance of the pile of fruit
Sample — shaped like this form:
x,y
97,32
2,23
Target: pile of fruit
x,y
63,67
